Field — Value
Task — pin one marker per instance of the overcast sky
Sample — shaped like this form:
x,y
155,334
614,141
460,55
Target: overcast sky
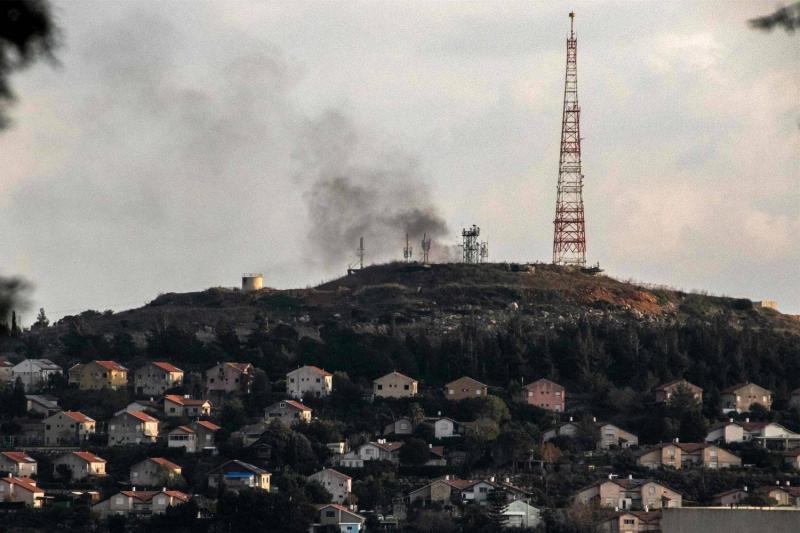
x,y
180,144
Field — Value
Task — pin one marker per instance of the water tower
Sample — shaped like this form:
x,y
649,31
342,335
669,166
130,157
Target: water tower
x,y
252,282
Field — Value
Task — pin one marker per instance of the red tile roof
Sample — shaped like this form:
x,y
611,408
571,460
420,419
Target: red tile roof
x,y
388,446
297,405
556,386
318,370
165,463
396,373
78,416
738,386
241,367
465,381
111,365
89,457
675,382
19,457
23,483
340,508
185,429
180,400
335,473
166,366
141,415
208,425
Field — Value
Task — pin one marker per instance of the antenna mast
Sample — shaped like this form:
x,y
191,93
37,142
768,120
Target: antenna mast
x,y
361,253
426,248
569,238
407,251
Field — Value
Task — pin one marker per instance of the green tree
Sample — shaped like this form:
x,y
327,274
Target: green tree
x,y
41,320
414,452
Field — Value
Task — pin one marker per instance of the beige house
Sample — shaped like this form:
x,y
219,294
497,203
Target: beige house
x,y
611,436
155,378
685,455
310,380
401,426
629,494
394,385
81,465
18,464
21,489
333,515
42,404
139,503
465,387
632,522
785,495
155,472
731,497
178,406
381,450
339,485
545,394
67,428
726,432
742,397
228,378
289,412
237,474
183,437
664,392
206,433
132,428
97,375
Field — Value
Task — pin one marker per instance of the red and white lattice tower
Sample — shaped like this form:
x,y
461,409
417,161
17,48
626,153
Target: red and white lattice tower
x,y
569,239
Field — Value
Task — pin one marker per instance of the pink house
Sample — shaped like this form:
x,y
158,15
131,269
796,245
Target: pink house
x,y
545,394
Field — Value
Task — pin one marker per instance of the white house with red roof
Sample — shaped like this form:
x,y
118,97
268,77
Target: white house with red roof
x,y
229,377
339,485
17,464
155,472
21,489
155,378
140,502
177,406
68,428
132,428
289,412
81,464
310,380
206,434
380,450
183,437
337,516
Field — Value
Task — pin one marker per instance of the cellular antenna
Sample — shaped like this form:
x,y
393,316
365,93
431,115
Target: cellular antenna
x,y
407,251
360,252
426,248
569,238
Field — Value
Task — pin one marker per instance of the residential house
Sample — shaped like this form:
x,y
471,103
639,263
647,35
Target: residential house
x,y
289,412
149,407
67,428
5,370
237,474
42,404
309,380
730,497
18,464
155,378
96,375
34,373
786,495
611,436
394,385
450,490
687,454
444,427
132,428
371,451
339,485
401,426
228,378
465,387
333,515
183,437
184,406
629,494
20,489
664,392
197,437
139,503
155,472
770,435
521,514
81,465
632,522
436,456
726,432
544,393
567,429
742,397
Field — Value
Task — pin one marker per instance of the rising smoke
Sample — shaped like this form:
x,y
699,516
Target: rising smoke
x,y
360,190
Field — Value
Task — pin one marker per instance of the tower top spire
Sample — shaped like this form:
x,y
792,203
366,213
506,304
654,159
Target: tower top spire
x,y
571,24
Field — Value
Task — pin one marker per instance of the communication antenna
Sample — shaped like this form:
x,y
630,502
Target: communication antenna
x,y
407,251
360,252
470,248
426,248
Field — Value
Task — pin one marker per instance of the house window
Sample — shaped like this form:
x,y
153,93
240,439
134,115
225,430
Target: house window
x,y
629,521
330,514
380,387
406,387
318,380
119,500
